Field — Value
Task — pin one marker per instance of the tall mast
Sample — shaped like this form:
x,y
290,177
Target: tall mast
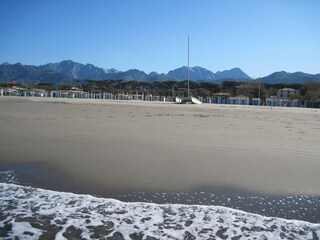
x,y
259,89
188,69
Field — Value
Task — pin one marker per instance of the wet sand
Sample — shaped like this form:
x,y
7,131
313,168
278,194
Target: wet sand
x,y
152,147
298,207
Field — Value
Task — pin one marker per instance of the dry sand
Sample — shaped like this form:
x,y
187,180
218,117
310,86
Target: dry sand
x,y
165,147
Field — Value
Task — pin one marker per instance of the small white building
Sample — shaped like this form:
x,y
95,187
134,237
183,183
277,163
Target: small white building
x,y
287,93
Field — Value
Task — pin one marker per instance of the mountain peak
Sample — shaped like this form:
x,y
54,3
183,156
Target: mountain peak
x,y
196,73
76,70
110,70
68,62
233,73
152,74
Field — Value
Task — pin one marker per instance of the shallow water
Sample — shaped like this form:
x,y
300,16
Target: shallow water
x,y
300,207
31,213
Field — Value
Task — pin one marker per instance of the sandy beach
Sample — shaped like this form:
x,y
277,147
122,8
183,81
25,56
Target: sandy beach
x,y
140,146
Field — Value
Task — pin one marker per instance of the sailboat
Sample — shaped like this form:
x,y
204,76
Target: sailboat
x,y
189,99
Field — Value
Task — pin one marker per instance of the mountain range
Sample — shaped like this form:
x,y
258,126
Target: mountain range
x,y
67,71
287,78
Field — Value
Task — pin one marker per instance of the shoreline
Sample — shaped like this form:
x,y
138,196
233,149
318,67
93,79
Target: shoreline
x,y
58,215
292,208
127,148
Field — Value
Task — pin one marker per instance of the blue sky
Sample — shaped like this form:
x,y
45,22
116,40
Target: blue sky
x,y
259,36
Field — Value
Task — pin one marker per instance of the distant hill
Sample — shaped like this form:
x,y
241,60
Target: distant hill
x,y
76,70
195,73
132,74
234,73
31,74
65,72
284,77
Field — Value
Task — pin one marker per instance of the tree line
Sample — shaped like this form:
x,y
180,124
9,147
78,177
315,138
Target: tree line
x,y
309,91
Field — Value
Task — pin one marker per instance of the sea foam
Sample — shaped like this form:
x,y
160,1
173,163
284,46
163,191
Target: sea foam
x,y
31,213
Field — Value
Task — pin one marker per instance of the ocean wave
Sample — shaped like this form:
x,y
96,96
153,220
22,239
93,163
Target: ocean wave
x,y
32,213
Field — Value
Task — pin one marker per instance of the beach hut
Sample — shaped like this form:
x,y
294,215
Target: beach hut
x,y
9,92
220,98
296,103
256,101
239,100
273,101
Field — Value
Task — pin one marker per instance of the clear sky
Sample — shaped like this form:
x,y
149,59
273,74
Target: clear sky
x,y
259,36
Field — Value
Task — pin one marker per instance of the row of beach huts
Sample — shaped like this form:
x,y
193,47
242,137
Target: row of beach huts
x,y
78,93
225,98
282,99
